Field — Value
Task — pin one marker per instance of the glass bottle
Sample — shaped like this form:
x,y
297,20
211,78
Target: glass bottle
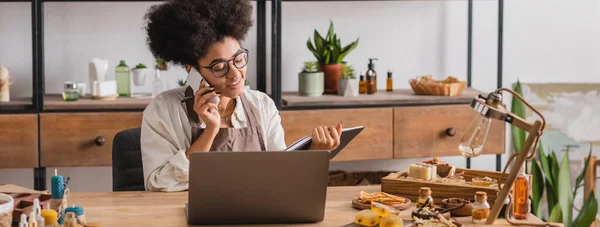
x,y
362,85
70,220
389,84
474,138
481,208
370,85
156,84
521,195
425,198
70,92
122,76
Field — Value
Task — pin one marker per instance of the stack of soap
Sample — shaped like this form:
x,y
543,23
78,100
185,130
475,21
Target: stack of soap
x,y
422,171
104,88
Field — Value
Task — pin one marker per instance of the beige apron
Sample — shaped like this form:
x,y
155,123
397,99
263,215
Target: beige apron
x,y
230,139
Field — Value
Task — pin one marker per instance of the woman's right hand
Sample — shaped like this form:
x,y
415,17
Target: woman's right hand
x,y
208,112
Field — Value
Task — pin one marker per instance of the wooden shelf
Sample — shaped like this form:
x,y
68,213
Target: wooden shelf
x,y
18,101
394,98
55,102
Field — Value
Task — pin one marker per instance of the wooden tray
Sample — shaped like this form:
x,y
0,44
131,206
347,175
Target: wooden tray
x,y
24,203
409,188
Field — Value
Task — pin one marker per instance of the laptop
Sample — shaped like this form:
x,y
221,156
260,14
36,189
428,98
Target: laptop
x,y
273,187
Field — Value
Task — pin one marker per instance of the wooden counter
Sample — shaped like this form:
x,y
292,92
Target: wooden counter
x,y
117,209
397,97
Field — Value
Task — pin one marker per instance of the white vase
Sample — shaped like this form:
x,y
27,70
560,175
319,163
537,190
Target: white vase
x,y
139,76
348,87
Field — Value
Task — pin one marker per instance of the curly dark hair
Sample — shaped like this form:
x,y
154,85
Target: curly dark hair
x,y
180,31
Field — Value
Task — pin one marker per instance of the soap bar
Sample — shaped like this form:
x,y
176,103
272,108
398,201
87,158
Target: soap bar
x,y
104,88
391,221
367,218
422,171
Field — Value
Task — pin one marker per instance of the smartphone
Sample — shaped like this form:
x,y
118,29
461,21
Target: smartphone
x,y
194,79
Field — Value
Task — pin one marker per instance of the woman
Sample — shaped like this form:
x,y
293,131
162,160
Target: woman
x,y
205,35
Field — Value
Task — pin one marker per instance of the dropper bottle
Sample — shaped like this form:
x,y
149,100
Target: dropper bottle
x,y
372,75
23,222
32,221
38,213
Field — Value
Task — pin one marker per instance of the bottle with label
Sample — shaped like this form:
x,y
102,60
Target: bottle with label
x,y
389,84
122,76
521,195
371,73
481,208
425,199
370,85
362,84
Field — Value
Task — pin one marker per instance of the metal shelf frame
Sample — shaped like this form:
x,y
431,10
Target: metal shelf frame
x,y
276,89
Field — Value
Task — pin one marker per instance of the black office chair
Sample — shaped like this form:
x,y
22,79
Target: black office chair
x,y
127,171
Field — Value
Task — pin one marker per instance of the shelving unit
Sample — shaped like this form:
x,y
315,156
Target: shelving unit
x,y
276,90
44,105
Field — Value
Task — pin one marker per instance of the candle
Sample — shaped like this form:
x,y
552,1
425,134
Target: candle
x,y
57,186
50,217
78,211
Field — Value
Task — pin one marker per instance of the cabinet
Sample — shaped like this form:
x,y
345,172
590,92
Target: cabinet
x,y
82,139
18,141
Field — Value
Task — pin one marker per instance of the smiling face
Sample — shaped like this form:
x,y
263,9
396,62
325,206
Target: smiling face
x,y
224,67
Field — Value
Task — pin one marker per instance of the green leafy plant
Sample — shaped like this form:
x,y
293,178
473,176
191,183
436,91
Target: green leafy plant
x,y
140,66
348,72
181,82
551,181
310,67
161,64
246,83
329,50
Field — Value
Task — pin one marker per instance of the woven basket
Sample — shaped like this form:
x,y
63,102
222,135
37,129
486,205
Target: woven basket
x,y
437,88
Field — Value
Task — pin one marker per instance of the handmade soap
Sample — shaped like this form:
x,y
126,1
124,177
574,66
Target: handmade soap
x,y
391,221
422,171
367,218
104,88
383,210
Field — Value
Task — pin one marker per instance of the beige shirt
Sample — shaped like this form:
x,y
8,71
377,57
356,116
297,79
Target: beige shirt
x,y
166,135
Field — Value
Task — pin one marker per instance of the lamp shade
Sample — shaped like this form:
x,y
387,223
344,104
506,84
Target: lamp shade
x,y
471,144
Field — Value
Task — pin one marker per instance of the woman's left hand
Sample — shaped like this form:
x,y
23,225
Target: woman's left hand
x,y
326,137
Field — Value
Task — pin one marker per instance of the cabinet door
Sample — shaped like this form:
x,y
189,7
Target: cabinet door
x,y
18,141
422,131
374,142
82,139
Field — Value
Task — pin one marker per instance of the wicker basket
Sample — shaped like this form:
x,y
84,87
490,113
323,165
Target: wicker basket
x,y
437,88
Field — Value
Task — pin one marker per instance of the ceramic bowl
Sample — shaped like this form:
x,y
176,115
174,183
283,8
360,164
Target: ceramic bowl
x,y
7,204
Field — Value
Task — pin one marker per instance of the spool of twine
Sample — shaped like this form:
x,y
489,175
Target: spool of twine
x,y
59,205
6,219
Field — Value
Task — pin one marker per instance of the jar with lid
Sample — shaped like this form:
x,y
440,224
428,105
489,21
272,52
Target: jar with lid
x,y
425,198
481,208
70,93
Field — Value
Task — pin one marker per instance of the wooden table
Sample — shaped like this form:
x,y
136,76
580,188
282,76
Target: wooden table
x,y
116,209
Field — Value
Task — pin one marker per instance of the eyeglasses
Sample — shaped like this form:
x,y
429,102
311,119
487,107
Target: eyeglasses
x,y
221,68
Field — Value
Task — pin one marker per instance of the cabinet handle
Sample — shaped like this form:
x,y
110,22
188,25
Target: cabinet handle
x,y
450,132
100,141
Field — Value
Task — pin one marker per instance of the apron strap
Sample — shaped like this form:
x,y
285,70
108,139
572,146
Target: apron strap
x,y
253,121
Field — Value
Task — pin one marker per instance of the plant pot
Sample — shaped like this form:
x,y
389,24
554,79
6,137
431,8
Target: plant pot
x,y
332,72
139,76
310,83
348,87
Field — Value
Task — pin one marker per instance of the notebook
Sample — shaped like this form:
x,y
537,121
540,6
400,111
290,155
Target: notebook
x,y
348,135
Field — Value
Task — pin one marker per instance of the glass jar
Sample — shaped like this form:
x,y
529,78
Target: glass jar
x,y
70,93
70,220
481,208
425,198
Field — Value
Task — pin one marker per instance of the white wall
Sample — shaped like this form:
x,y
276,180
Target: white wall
x,y
544,41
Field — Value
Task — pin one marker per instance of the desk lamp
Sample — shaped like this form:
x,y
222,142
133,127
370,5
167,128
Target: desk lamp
x,y
491,108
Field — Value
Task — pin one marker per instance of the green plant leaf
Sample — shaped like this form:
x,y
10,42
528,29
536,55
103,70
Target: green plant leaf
x,y
518,108
554,167
545,164
327,56
565,192
346,50
588,212
551,197
581,175
330,32
537,186
555,214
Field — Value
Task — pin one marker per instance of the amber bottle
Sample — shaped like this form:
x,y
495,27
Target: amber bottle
x,y
521,195
362,85
389,86
372,74
371,85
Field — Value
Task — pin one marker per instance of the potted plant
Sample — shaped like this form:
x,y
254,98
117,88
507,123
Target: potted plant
x,y
139,74
330,54
310,80
348,85
161,64
181,82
